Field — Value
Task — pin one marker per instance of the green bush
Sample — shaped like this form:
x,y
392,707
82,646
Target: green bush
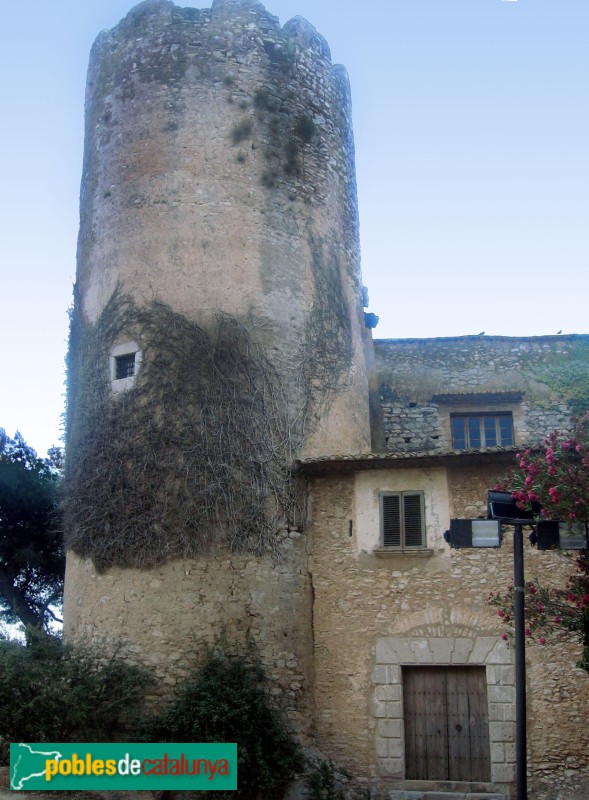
x,y
227,699
321,782
51,691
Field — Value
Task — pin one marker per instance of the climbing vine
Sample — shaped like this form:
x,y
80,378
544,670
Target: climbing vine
x,y
195,455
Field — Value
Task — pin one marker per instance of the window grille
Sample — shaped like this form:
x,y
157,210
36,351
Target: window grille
x,y
125,366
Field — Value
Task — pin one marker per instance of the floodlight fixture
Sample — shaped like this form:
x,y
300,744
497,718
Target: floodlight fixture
x,y
551,534
474,533
503,506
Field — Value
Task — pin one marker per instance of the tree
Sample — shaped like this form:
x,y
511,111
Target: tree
x,y
555,479
56,691
32,559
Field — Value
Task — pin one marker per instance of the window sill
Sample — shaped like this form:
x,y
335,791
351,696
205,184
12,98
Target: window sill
x,y
387,552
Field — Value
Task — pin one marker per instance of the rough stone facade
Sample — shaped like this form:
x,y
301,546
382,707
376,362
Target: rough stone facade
x,y
166,615
539,380
375,613
219,178
379,612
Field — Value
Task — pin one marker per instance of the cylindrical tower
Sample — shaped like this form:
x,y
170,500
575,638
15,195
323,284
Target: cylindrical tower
x,y
217,331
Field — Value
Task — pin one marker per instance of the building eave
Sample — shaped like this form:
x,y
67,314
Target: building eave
x,y
326,465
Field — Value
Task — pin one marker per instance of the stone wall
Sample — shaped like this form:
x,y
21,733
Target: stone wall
x,y
164,616
218,181
219,176
540,380
369,608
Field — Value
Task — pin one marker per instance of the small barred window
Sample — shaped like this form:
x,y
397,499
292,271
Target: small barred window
x,y
125,366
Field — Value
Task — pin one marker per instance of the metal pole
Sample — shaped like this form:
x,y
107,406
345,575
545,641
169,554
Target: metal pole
x,y
520,665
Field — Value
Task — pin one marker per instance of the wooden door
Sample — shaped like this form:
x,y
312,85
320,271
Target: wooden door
x,y
446,724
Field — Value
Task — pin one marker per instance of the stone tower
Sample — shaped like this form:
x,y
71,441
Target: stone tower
x,y
217,334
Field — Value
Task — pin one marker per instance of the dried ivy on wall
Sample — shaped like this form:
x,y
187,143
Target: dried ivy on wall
x,y
194,456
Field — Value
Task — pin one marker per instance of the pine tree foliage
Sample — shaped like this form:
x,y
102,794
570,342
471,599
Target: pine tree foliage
x,y
32,559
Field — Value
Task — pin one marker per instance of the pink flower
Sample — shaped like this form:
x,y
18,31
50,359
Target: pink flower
x,y
501,613
539,607
542,640
557,620
528,632
504,636
553,494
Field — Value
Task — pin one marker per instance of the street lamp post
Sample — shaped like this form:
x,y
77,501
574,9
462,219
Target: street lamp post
x,y
521,760
502,510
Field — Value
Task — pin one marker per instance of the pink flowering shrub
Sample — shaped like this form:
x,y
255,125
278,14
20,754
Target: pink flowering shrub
x,y
555,479
556,476
549,611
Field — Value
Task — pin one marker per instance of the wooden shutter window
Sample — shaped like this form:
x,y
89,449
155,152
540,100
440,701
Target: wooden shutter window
x,y
391,520
413,519
402,520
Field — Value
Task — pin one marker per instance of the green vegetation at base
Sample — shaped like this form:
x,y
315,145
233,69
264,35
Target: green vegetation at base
x,y
228,699
51,691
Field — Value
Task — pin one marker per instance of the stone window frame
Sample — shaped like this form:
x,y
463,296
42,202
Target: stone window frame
x,y
392,653
125,349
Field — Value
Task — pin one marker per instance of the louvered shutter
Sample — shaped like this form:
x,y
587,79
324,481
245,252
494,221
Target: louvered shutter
x,y
413,520
391,520
402,520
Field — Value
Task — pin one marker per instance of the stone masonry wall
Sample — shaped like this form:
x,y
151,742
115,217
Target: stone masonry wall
x,y
551,373
165,615
219,177
368,609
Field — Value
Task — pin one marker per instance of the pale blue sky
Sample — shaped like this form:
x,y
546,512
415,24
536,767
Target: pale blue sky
x,y
471,122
